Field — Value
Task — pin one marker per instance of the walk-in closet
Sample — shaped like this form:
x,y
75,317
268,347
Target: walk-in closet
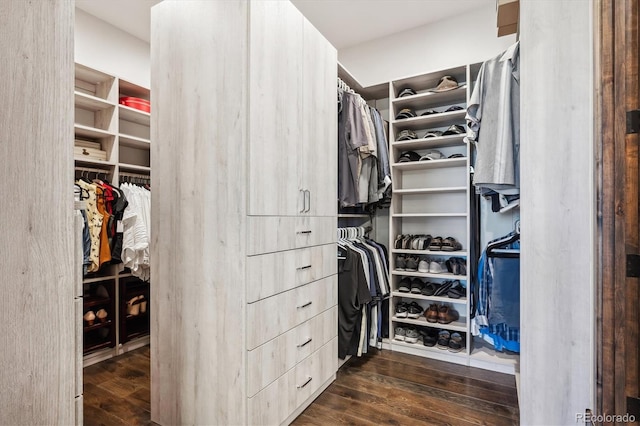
x,y
305,212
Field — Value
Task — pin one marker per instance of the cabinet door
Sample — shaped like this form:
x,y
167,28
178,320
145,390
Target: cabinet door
x,y
275,82
319,123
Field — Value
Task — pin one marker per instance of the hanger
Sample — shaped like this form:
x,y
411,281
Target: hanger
x,y
501,246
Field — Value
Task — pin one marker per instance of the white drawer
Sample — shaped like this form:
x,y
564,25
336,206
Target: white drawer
x,y
269,361
270,317
277,401
269,234
273,273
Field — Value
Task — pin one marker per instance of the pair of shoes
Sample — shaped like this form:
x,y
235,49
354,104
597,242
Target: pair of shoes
x,y
412,242
442,289
416,286
447,315
451,244
137,305
405,285
457,265
437,267
441,314
457,290
408,310
429,336
412,264
406,334
90,317
436,244
454,342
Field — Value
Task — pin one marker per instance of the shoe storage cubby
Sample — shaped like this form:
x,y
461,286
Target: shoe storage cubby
x,y
134,309
99,314
430,214
112,142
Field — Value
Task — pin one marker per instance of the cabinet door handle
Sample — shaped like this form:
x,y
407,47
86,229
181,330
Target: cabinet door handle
x,y
305,383
303,232
305,305
303,267
307,200
302,345
304,200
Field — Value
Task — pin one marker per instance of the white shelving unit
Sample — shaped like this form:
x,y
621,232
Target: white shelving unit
x,y
123,134
434,197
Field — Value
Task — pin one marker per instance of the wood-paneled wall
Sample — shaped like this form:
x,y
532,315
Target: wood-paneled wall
x,y
37,358
557,211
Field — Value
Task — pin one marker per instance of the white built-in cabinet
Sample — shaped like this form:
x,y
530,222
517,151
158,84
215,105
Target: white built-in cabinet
x,y
244,309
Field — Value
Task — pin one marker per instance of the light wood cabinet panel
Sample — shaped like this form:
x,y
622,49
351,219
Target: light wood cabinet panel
x,y
256,274
269,361
269,234
273,273
276,402
319,124
275,84
274,315
37,360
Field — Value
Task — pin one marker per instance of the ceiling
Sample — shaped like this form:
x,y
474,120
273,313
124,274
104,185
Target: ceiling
x,y
344,23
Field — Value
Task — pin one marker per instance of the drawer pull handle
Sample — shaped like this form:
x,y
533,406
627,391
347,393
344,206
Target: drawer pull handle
x,y
305,343
303,232
305,383
305,305
303,267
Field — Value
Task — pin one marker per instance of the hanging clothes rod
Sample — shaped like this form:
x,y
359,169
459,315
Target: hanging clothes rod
x,y
135,175
92,170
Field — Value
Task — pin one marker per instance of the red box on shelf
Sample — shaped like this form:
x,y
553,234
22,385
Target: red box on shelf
x,y
137,103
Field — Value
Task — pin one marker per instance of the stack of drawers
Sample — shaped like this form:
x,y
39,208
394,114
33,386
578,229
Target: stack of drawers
x,y
291,314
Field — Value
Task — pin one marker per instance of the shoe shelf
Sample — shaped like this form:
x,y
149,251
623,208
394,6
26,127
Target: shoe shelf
x,y
89,302
438,299
429,215
434,349
430,121
423,191
92,347
431,99
460,325
430,252
443,275
96,325
430,164
98,279
429,143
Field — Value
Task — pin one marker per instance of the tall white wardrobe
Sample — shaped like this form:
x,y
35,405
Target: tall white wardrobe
x,y
244,212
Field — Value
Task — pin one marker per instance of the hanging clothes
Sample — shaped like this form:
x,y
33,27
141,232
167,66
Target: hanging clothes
x,y
497,296
136,222
493,121
363,153
362,286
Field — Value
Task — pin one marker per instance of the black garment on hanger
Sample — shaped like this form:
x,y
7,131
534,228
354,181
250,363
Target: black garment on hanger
x,y
352,295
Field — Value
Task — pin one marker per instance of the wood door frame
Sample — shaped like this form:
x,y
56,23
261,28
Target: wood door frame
x,y
616,92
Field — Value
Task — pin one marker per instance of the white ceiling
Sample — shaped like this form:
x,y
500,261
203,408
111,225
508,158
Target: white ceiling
x,y
344,23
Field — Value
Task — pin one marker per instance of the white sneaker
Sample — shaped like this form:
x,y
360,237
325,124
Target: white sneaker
x,y
423,266
437,267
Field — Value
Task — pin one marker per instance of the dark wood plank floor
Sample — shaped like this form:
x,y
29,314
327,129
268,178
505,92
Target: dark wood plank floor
x,y
381,388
